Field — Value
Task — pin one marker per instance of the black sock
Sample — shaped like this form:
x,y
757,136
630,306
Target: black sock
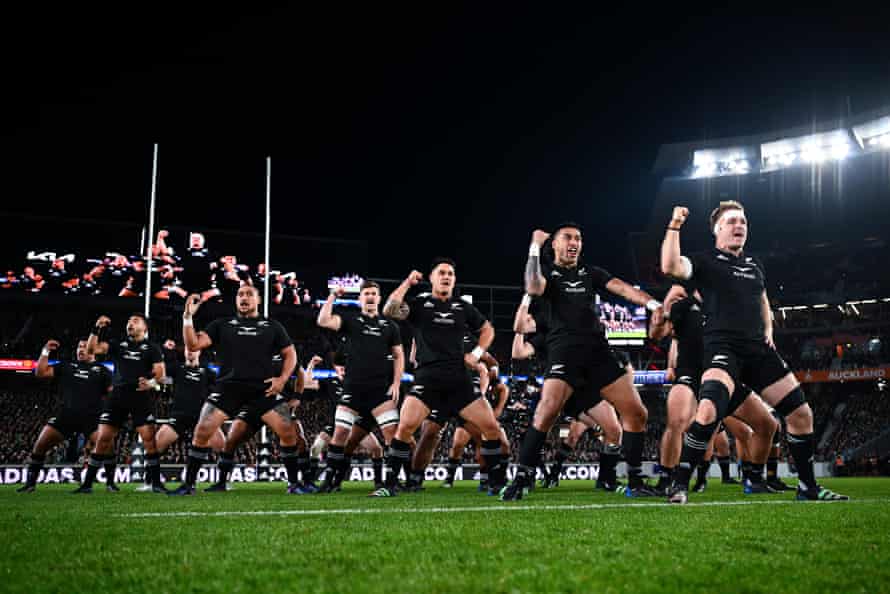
x,y
377,464
288,456
313,470
562,454
695,443
343,475
491,452
110,466
746,469
197,457
35,465
303,466
152,468
453,463
666,473
336,457
703,469
632,443
801,448
531,447
723,462
226,463
93,466
755,472
609,460
398,457
772,467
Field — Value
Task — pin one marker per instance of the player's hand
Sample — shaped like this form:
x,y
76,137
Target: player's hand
x,y
681,213
769,340
670,375
338,292
103,322
315,361
658,316
414,278
51,345
471,361
540,237
192,304
163,234
144,385
394,391
276,385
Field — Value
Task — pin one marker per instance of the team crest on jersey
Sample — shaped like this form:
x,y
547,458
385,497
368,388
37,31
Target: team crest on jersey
x,y
262,323
233,322
555,273
582,272
429,304
456,307
722,257
444,318
123,344
144,347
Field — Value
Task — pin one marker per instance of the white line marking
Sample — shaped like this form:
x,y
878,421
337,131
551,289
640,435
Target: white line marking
x,y
480,508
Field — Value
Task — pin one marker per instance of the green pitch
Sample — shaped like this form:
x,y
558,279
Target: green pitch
x,y
570,539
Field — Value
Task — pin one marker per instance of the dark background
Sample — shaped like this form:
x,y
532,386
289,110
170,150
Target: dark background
x,y
453,129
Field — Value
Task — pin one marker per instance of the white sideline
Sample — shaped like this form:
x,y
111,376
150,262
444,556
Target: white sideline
x,y
480,508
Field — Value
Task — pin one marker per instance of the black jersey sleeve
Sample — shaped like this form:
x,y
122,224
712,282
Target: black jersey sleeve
x,y
762,268
475,319
700,268
114,349
154,354
212,331
414,305
281,339
347,323
107,378
395,336
600,277
679,311
538,341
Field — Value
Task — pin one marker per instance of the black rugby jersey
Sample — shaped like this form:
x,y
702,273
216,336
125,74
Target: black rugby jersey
x,y
731,289
133,360
369,343
245,347
570,300
439,330
83,385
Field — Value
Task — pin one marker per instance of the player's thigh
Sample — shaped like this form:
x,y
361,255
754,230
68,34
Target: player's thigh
x,y
681,406
414,411
479,413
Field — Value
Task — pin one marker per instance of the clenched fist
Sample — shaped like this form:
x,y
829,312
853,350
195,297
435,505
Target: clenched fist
x,y
681,213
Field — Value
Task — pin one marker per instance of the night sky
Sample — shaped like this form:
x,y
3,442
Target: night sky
x,y
452,131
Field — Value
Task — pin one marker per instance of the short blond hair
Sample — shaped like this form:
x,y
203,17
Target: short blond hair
x,y
723,207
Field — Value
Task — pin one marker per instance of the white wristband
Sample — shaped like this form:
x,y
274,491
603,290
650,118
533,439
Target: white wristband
x,y
534,250
187,322
44,353
478,352
526,300
652,305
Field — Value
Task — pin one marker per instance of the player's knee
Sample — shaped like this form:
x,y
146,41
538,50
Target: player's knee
x,y
387,419
793,403
714,401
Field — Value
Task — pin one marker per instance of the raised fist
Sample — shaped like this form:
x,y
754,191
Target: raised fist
x,y
681,213
191,305
414,278
540,237
51,345
103,321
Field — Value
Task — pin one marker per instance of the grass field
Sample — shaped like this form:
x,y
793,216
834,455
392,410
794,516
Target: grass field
x,y
570,539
